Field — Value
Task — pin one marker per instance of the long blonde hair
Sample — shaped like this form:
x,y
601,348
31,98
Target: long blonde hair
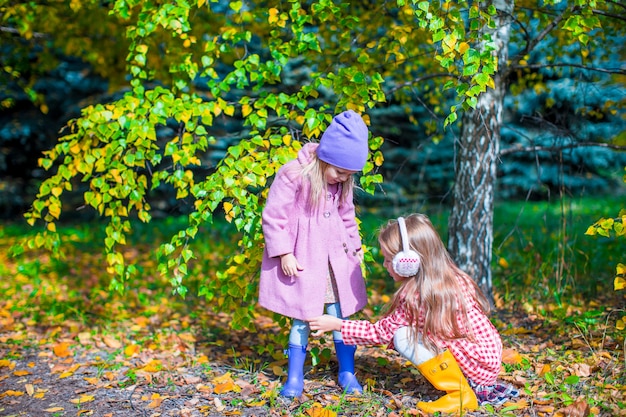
x,y
433,291
315,172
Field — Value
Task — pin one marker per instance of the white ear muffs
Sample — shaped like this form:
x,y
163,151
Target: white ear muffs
x,y
407,262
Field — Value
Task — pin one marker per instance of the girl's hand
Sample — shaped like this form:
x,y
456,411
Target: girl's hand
x,y
290,265
323,324
360,255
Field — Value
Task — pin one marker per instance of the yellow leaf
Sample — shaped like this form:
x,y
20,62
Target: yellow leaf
x,y
54,409
30,389
224,387
619,283
61,350
66,374
39,395
21,373
273,15
591,231
11,393
228,207
156,400
503,263
92,381
318,411
223,378
621,269
131,350
82,399
153,366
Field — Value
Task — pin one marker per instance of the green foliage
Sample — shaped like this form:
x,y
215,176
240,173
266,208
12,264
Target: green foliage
x,y
614,227
189,65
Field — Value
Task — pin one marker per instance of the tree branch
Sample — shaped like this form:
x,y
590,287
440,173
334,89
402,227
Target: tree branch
x,y
603,70
16,32
419,80
531,43
528,149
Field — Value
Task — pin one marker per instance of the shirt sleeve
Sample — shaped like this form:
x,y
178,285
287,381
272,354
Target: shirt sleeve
x,y
362,332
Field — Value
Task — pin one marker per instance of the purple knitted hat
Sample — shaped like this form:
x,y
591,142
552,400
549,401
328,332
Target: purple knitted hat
x,y
344,143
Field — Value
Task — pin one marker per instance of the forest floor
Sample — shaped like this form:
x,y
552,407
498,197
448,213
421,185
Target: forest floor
x,y
162,363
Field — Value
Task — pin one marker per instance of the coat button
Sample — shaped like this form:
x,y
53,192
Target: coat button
x,y
328,196
327,214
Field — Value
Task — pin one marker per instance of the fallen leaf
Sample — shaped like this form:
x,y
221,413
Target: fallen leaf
x,y
511,357
582,369
278,370
153,366
54,409
579,408
21,373
225,387
218,404
82,399
318,411
157,399
12,393
544,369
5,363
85,338
61,350
111,342
131,350
30,389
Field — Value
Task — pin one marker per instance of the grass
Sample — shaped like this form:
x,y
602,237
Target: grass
x,y
540,250
555,282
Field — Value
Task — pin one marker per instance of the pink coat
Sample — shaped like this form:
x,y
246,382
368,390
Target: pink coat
x,y
315,237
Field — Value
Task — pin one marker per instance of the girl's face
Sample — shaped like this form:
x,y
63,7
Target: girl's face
x,y
335,175
388,263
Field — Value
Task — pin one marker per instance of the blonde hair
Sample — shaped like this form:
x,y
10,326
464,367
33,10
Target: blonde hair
x,y
433,291
315,172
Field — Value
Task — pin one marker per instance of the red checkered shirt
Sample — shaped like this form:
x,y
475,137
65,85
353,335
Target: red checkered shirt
x,y
480,360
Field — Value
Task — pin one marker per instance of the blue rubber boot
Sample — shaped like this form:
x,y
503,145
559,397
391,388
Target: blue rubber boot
x,y
345,357
295,374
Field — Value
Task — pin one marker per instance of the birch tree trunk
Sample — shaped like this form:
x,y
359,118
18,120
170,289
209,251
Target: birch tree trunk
x,y
470,225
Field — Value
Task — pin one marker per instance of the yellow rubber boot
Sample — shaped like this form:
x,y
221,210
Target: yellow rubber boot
x,y
444,373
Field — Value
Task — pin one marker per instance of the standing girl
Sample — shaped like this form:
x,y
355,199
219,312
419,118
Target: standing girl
x,y
437,320
312,254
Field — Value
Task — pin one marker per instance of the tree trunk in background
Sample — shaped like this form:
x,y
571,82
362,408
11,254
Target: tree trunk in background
x,y
470,226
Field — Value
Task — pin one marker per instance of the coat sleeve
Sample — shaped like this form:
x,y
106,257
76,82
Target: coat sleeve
x,y
348,216
278,213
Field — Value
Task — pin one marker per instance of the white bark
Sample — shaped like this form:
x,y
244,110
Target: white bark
x,y
470,237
